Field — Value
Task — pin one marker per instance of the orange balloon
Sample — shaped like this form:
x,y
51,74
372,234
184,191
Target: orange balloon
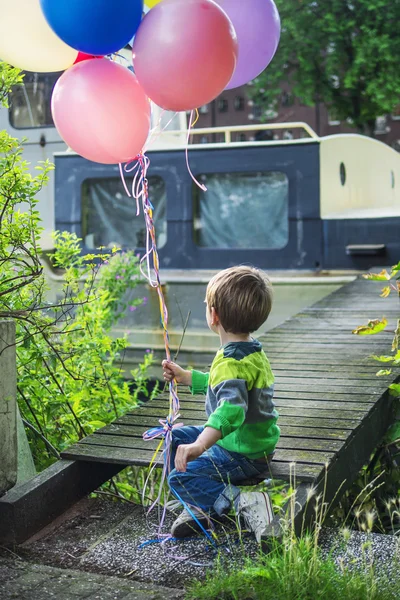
x,y
184,53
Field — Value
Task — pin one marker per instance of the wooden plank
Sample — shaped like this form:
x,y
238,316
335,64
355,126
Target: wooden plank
x,y
127,453
327,336
296,371
307,410
137,430
297,348
318,422
377,383
332,360
322,322
326,414
326,396
322,395
131,441
277,470
330,390
362,348
196,410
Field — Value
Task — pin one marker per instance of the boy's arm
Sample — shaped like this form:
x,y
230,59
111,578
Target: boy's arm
x,y
199,382
187,452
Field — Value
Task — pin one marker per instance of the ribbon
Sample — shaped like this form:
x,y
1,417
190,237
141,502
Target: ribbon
x,y
149,268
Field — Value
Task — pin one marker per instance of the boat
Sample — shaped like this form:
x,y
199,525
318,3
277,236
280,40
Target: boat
x,y
313,212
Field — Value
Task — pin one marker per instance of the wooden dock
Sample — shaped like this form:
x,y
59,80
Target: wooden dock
x,y
333,408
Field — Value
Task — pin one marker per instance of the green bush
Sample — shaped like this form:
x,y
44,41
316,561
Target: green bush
x,y
70,379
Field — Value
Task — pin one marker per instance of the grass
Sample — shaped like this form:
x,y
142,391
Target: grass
x,y
295,569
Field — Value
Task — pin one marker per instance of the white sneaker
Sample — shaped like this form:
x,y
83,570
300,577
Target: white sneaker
x,y
256,510
185,525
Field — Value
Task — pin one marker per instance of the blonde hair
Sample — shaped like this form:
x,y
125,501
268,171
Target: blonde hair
x,y
241,297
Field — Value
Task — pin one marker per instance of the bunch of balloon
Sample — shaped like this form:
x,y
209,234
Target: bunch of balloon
x,y
185,53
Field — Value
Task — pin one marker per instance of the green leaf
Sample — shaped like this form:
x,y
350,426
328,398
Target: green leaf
x,y
396,268
396,337
383,372
372,327
384,359
96,424
393,433
394,389
382,276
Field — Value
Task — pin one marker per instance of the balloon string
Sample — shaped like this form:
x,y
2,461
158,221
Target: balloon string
x,y
191,125
157,131
150,271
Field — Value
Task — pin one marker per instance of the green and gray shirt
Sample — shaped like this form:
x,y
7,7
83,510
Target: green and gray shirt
x,y
239,390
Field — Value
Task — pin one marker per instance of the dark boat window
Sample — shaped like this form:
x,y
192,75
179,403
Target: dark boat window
x,y
30,101
109,216
242,210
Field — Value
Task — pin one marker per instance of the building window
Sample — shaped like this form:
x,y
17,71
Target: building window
x,y
109,216
287,99
257,111
381,126
396,113
203,110
239,103
242,210
332,118
222,105
30,101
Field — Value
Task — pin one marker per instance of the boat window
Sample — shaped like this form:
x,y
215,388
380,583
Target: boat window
x,y
109,216
242,210
30,101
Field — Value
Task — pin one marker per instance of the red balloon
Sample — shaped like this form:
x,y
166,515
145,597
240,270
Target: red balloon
x,y
185,53
82,56
101,111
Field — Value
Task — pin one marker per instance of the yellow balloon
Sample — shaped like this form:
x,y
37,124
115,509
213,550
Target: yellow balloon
x,y
151,3
28,42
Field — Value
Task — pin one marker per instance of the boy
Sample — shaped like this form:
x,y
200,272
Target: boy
x,y
240,436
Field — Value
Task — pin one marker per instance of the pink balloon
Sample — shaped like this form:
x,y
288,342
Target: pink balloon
x,y
101,111
184,53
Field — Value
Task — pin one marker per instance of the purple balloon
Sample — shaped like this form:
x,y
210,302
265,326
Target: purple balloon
x,y
258,28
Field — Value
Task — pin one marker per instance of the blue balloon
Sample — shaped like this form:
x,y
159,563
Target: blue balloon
x,y
96,27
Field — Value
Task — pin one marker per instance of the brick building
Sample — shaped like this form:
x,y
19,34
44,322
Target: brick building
x,y
233,107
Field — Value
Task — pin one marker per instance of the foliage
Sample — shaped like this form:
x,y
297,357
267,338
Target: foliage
x,y
343,54
377,488
70,378
294,569
21,280
9,76
376,325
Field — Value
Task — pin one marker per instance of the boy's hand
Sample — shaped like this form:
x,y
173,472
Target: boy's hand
x,y
173,371
185,453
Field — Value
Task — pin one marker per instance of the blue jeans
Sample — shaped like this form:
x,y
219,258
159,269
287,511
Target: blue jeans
x,y
209,480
